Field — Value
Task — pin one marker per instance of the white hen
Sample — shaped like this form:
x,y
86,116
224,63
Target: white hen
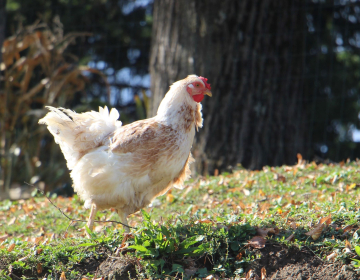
x,y
126,167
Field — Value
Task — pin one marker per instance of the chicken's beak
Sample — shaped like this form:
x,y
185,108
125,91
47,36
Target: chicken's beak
x,y
208,92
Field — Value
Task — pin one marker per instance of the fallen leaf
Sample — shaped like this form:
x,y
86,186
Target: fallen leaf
x,y
299,157
11,247
345,229
242,205
62,276
265,231
39,268
295,171
251,275
331,256
12,221
203,221
279,178
316,231
257,242
239,256
347,244
261,193
293,225
291,238
263,273
4,237
38,239
169,198
326,220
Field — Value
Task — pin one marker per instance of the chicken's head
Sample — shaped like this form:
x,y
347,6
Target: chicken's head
x,y
197,87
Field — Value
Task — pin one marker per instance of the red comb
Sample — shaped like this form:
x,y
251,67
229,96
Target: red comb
x,y
205,82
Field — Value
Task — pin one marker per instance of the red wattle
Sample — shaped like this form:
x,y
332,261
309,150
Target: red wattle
x,y
198,97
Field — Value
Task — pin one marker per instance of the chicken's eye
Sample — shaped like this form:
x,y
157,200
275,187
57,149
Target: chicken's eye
x,y
197,84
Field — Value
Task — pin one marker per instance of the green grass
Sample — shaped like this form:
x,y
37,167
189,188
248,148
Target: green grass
x,y
201,230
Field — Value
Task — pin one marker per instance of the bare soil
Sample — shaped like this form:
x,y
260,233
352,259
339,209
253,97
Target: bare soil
x,y
282,262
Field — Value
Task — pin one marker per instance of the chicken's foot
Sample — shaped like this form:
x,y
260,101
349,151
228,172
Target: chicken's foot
x,y
90,223
123,220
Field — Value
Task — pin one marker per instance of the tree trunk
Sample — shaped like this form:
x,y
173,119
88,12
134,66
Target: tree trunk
x,y
253,58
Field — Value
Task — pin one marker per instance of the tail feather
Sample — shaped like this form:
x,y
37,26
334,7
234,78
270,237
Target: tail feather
x,y
79,133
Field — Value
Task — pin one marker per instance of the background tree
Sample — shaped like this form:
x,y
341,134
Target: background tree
x,y
251,51
285,75
117,44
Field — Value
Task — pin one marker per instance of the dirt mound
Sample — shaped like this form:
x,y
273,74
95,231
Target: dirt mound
x,y
119,268
282,262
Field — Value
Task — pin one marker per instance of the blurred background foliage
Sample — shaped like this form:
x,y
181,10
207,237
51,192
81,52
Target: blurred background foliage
x,y
68,54
96,52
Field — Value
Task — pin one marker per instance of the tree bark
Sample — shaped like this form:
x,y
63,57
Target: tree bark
x,y
253,57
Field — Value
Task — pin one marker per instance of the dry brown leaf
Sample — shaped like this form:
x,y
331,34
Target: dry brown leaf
x,y
293,225
11,247
12,221
251,275
295,171
347,244
279,178
257,242
291,238
316,231
299,157
265,231
62,276
216,172
38,239
263,273
205,221
4,237
326,220
39,268
239,256
242,205
331,256
348,228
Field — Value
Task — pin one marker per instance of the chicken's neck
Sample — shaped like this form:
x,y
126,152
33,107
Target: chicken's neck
x,y
179,111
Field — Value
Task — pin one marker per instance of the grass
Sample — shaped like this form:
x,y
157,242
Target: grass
x,y
215,226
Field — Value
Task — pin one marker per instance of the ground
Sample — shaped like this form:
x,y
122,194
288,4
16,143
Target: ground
x,y
289,222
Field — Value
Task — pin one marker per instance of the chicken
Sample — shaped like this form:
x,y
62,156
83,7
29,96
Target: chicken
x,y
126,167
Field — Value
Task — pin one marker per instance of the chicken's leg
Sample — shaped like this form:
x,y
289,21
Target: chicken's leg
x,y
123,220
90,223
